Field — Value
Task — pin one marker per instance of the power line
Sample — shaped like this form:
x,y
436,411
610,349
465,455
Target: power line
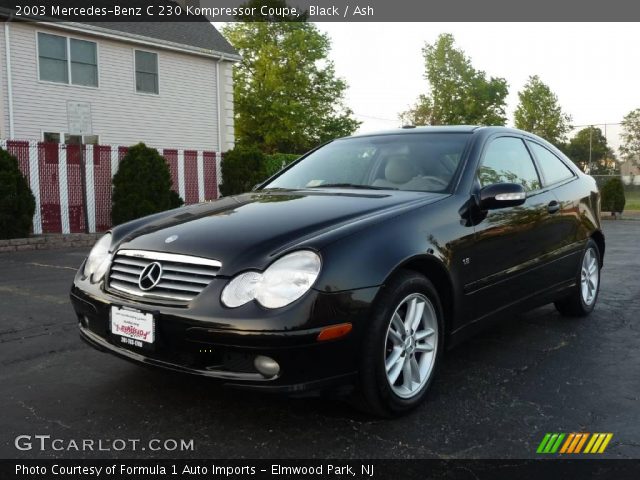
x,y
376,118
594,124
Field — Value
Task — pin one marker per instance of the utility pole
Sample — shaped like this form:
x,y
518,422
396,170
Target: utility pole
x,y
590,145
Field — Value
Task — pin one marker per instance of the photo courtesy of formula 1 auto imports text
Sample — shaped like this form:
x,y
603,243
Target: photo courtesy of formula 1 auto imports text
x,y
294,239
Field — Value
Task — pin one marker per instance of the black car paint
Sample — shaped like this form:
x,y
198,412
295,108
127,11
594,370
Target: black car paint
x,y
484,264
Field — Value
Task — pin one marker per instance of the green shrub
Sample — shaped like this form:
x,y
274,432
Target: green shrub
x,y
17,204
142,185
613,199
242,168
276,161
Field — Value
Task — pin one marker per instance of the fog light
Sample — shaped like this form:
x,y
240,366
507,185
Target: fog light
x,y
84,321
266,366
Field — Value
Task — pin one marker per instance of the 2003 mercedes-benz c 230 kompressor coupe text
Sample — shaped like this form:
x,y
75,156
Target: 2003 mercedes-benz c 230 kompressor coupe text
x,y
354,267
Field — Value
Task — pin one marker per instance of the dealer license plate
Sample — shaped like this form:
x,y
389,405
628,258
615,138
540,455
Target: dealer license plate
x,y
133,328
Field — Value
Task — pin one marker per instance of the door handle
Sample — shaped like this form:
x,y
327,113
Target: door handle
x,y
553,207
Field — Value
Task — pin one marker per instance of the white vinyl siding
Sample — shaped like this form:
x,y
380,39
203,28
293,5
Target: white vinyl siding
x,y
183,115
226,98
4,96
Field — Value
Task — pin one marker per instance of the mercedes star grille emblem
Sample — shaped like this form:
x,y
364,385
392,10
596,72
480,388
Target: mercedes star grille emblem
x,y
150,276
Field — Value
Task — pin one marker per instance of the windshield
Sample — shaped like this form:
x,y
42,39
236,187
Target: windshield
x,y
417,162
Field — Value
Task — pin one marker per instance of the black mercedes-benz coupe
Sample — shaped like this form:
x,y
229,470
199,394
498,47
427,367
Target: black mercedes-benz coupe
x,y
353,268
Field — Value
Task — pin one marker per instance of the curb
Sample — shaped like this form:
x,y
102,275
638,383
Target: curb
x,y
49,242
633,215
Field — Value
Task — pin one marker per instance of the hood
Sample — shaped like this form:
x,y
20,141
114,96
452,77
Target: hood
x,y
246,231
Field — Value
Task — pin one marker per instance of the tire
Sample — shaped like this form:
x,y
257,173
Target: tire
x,y
388,342
584,296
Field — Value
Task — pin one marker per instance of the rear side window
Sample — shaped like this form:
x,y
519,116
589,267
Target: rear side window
x,y
553,169
507,160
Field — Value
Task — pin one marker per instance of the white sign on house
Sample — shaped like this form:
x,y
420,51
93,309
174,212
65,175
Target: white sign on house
x,y
79,118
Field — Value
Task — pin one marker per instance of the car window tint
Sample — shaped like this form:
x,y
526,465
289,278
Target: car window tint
x,y
507,160
553,169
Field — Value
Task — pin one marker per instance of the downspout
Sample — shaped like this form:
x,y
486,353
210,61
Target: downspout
x,y
7,47
219,107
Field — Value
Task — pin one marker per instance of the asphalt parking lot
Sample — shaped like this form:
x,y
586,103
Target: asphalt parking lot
x,y
495,396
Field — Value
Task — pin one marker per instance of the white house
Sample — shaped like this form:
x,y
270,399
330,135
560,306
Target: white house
x,y
630,171
166,84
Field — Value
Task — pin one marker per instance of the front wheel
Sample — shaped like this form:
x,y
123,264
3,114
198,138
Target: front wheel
x,y
402,346
582,300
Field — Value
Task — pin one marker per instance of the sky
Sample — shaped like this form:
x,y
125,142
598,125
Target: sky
x,y
594,68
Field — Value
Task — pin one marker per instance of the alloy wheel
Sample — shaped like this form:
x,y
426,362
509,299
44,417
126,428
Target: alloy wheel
x,y
411,345
589,276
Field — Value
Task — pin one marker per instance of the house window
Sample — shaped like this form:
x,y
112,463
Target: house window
x,y
51,137
146,72
67,60
54,137
52,52
80,139
84,62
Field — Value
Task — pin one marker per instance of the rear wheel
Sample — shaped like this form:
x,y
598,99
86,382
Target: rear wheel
x,y
402,346
582,300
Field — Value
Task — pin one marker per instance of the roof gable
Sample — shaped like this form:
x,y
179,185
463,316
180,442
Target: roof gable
x,y
197,33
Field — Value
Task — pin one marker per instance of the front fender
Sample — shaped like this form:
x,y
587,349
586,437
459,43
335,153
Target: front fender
x,y
368,257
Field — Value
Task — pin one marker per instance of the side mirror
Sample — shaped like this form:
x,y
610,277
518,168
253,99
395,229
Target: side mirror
x,y
501,195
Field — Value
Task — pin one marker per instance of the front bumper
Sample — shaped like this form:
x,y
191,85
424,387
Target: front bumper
x,y
224,348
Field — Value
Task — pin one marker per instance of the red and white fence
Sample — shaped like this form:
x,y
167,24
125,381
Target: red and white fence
x,y
54,172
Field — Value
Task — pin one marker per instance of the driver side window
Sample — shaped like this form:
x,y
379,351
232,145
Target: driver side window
x,y
507,160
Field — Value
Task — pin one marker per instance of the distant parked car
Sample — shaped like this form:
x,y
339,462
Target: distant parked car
x,y
356,266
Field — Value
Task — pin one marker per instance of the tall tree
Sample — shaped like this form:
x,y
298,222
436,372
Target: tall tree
x,y
539,112
590,151
630,148
458,93
286,92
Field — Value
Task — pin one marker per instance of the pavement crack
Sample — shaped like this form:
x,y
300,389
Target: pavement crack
x,y
62,267
33,412
23,292
562,344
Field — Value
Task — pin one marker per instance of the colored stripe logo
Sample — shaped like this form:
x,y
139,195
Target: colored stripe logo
x,y
574,443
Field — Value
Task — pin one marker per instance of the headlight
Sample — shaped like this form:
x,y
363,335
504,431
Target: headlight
x,y
285,281
99,259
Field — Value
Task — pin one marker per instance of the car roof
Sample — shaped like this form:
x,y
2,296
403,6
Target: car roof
x,y
409,130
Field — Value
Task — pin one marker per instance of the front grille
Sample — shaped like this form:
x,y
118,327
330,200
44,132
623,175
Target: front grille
x,y
181,277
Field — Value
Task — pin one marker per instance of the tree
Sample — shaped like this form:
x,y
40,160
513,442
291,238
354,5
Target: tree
x,y
142,185
17,204
286,92
589,150
539,112
630,148
458,93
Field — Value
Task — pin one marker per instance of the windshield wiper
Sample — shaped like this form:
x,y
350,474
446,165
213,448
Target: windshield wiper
x,y
352,185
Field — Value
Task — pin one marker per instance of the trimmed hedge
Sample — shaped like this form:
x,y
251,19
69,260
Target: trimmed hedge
x,y
17,203
613,199
142,185
244,167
